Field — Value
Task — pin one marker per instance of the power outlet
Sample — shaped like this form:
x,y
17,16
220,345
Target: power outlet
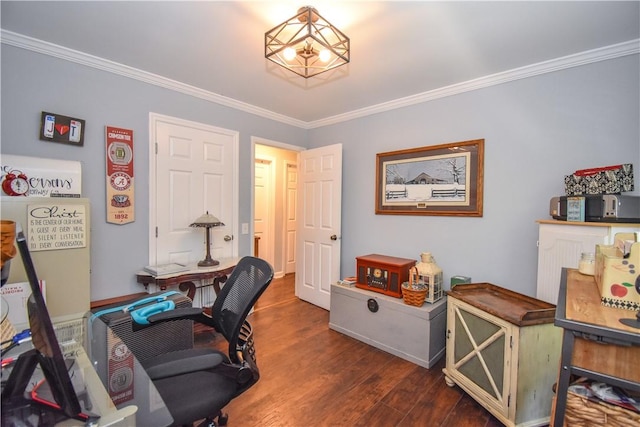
x,y
245,228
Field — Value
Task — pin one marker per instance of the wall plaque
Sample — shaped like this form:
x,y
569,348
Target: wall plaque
x,y
59,128
120,184
54,227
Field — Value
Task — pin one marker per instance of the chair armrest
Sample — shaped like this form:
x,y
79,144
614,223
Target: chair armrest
x,y
196,314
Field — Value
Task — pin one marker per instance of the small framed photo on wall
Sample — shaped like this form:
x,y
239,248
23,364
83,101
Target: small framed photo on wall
x,y
63,129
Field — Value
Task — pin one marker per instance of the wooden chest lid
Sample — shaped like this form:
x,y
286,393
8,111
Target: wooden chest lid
x,y
507,305
385,260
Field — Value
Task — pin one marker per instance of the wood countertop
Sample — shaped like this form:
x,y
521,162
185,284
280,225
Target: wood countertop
x,y
583,304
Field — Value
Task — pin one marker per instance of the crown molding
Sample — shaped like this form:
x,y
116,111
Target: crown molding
x,y
631,47
56,51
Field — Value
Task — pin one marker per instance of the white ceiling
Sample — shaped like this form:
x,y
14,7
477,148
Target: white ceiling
x,y
399,49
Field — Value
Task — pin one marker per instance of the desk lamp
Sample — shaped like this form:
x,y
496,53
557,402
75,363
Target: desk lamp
x,y
208,221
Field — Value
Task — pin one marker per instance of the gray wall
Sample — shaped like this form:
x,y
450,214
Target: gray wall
x,y
536,131
32,83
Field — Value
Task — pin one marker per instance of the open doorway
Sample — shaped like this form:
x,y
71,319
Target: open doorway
x,y
275,202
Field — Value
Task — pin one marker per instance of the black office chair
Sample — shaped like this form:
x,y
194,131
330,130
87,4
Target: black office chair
x,y
198,383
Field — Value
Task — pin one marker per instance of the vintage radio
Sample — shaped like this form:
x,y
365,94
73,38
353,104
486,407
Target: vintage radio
x,y
383,274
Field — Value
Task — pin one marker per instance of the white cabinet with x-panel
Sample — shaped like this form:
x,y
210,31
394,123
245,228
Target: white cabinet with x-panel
x,y
503,350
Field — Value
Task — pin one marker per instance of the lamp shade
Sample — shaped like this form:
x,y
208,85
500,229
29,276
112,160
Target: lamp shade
x,y
206,220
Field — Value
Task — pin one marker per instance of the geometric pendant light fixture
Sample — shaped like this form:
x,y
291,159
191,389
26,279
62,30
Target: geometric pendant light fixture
x,y
307,44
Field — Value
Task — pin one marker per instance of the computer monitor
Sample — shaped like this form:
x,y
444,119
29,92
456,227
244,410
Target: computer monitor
x,y
47,354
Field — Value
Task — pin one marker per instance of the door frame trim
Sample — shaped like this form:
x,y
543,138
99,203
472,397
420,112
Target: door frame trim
x,y
256,140
285,221
154,118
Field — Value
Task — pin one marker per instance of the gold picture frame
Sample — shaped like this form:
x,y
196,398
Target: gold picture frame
x,y
444,179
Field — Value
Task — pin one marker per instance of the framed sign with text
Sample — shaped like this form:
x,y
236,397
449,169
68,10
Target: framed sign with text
x,y
52,226
120,184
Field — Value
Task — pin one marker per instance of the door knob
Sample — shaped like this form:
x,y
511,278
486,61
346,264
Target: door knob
x,y
334,237
228,238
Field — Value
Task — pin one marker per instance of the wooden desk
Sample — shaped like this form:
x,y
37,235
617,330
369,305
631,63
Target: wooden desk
x,y
185,279
595,344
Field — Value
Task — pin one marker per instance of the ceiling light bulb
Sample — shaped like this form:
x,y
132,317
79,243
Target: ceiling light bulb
x,y
325,55
289,53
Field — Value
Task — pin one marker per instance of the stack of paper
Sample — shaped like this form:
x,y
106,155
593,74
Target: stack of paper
x,y
162,269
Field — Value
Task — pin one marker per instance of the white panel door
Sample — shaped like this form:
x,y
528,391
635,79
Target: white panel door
x,y
195,172
263,225
319,221
291,219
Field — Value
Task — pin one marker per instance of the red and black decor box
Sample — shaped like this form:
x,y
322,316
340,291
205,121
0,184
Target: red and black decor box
x,y
382,273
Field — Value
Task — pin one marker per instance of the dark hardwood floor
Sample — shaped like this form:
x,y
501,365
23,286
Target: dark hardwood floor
x,y
314,376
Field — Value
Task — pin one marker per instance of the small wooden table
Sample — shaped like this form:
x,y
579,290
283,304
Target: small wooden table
x,y
185,279
595,343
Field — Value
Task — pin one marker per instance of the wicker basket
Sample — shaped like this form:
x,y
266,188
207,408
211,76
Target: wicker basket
x,y
414,293
582,412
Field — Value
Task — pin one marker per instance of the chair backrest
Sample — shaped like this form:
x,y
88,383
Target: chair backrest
x,y
248,280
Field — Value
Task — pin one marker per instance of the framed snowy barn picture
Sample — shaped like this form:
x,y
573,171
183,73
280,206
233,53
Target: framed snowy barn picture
x,y
442,179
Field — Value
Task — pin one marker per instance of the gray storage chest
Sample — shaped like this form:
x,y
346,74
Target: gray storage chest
x,y
416,334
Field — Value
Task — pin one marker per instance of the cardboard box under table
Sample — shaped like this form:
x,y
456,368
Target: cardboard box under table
x,y
416,334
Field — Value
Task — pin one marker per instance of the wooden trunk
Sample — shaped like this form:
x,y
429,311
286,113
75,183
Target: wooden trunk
x,y
413,333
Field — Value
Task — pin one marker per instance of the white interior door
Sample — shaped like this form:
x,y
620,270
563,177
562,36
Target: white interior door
x,y
319,222
291,218
193,169
263,223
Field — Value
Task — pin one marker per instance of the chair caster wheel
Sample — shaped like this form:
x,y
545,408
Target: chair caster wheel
x,y
223,419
